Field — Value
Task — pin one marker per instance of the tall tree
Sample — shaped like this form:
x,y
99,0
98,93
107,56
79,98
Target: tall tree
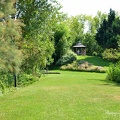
x,y
39,17
93,24
10,34
62,40
108,31
77,26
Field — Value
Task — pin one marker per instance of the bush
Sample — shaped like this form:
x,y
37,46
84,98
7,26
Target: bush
x,y
111,54
26,79
2,87
6,81
69,57
83,66
113,73
94,53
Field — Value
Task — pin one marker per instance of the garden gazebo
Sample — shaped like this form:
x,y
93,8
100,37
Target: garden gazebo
x,y
79,49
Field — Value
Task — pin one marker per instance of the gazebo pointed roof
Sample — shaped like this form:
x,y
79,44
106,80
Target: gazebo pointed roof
x,y
79,45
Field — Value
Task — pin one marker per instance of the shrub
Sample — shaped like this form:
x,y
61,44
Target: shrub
x,y
111,54
2,87
26,79
6,81
94,53
69,57
113,73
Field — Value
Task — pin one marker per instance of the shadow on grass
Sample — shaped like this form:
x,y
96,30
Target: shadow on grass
x,y
97,61
106,82
112,83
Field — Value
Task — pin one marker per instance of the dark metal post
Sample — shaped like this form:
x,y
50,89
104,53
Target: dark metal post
x,y
15,80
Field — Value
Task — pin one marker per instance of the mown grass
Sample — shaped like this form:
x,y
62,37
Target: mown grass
x,y
65,96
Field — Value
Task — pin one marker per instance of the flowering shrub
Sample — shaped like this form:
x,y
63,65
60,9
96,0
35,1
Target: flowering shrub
x,y
83,66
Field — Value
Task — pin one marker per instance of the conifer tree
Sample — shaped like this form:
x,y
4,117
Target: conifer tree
x,y
10,34
108,32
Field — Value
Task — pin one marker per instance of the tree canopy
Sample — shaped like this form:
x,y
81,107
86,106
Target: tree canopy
x,y
108,32
10,34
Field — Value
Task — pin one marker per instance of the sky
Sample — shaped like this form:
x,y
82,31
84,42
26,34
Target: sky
x,y
88,7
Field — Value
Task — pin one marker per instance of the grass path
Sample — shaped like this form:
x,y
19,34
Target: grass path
x,y
65,96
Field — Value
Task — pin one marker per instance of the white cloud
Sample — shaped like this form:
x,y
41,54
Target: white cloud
x,y
75,7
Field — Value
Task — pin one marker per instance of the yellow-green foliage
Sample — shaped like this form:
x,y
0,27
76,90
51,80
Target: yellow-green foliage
x,y
10,36
2,87
111,54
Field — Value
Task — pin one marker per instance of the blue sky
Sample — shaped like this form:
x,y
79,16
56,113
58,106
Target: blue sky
x,y
89,7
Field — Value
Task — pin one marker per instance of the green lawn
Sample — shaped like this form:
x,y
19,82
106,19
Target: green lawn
x,y
66,96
